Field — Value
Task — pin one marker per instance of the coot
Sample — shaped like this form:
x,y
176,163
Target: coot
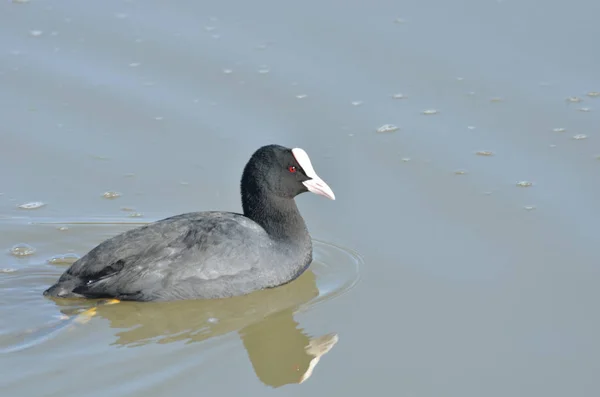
x,y
205,255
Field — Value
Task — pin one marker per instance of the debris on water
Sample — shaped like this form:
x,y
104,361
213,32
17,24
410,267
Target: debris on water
x,y
22,250
585,110
301,96
399,20
399,96
579,136
429,112
593,94
524,184
227,71
134,64
136,215
387,128
471,127
159,118
573,99
406,159
65,259
529,207
484,153
264,69
7,270
496,99
357,103
35,33
560,129
213,320
32,205
111,195
460,172
62,228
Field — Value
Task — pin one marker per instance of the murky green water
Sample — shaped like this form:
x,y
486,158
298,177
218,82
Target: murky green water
x,y
460,138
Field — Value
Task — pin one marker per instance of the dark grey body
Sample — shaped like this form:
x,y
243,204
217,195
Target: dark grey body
x,y
204,255
200,255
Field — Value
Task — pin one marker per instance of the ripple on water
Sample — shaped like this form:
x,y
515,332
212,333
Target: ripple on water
x,y
333,272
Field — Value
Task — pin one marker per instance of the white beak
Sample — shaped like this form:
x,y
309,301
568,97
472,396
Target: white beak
x,y
314,184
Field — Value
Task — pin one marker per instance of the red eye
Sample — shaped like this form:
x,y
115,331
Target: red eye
x,y
292,169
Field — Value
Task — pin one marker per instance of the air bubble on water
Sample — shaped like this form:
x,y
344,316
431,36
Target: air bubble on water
x,y
301,96
22,250
560,129
585,110
579,136
111,195
524,184
35,33
357,103
31,205
64,259
484,153
399,96
573,99
429,112
388,128
593,94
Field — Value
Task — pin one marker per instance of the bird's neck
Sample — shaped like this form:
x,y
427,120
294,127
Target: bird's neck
x,y
279,216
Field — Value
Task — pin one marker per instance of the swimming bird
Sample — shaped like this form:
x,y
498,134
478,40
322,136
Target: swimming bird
x,y
211,254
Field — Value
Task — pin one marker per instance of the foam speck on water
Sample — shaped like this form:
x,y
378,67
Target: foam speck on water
x,y
111,195
31,205
387,128
65,259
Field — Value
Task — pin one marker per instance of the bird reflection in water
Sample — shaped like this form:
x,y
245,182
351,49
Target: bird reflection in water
x,y
280,352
